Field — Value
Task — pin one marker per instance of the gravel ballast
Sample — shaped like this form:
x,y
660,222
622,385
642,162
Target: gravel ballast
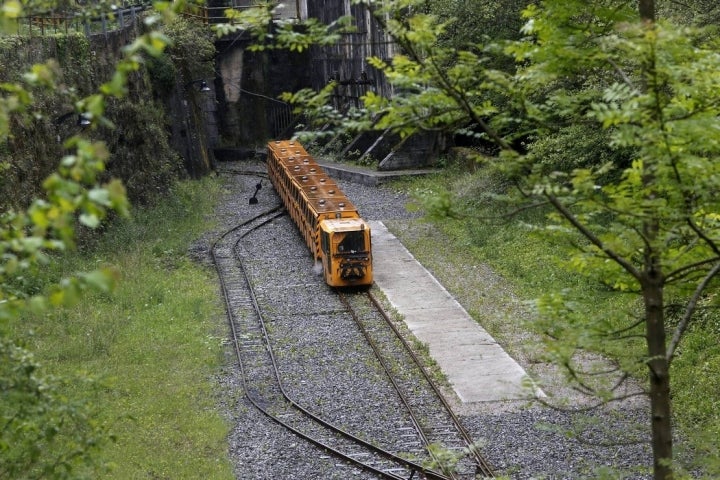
x,y
520,440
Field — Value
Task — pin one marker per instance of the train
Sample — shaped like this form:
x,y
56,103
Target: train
x,y
330,224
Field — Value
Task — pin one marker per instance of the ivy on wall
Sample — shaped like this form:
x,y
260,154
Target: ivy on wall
x,y
138,139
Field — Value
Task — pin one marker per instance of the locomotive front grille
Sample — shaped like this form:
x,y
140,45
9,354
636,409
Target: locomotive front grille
x,y
351,271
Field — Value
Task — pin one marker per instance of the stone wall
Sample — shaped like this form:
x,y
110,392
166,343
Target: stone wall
x,y
249,83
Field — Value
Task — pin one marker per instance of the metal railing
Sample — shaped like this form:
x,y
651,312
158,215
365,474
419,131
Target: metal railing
x,y
212,15
106,22
281,118
279,114
100,24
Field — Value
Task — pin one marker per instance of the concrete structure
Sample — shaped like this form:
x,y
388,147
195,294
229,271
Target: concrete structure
x,y
249,84
478,369
364,176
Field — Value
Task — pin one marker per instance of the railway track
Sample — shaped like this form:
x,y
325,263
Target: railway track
x,y
433,423
261,379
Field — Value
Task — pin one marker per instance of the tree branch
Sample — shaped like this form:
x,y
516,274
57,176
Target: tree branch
x,y
687,269
627,329
689,311
709,241
590,408
568,215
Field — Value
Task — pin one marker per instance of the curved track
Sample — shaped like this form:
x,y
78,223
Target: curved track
x,y
433,422
261,378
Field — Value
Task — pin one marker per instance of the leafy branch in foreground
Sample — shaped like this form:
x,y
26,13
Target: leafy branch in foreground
x,y
269,32
43,434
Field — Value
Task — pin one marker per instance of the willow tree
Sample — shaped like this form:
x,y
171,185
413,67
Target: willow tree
x,y
647,222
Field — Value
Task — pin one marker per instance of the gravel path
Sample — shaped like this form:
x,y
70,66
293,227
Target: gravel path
x,y
521,441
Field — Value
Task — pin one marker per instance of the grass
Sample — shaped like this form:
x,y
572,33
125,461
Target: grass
x,y
527,266
153,345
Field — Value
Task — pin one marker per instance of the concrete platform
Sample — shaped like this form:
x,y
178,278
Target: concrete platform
x,y
366,176
477,367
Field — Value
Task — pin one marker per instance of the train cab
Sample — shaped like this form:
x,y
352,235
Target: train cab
x,y
346,252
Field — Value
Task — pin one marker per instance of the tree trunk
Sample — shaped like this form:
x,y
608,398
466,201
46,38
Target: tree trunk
x,y
659,377
647,10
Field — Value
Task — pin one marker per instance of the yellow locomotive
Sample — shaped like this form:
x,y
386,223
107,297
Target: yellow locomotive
x,y
330,224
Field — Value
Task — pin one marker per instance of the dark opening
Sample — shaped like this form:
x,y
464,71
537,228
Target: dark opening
x,y
353,242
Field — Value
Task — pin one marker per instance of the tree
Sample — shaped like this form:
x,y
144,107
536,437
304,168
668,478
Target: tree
x,y
646,220
650,227
42,434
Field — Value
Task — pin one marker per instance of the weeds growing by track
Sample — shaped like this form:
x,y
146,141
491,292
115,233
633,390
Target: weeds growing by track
x,y
153,346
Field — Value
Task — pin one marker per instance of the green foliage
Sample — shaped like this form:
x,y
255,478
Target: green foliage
x,y
655,215
43,433
73,52
472,25
36,132
664,131
315,109
697,12
27,239
163,73
141,153
191,48
159,406
270,32
445,460
576,146
529,265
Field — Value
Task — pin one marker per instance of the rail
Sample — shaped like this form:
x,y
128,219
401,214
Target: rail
x,y
118,18
280,115
250,338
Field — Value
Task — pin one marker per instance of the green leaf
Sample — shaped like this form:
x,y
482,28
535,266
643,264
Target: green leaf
x,y
90,220
104,280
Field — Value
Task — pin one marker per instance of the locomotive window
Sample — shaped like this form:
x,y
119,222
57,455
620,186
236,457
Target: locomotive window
x,y
325,240
353,242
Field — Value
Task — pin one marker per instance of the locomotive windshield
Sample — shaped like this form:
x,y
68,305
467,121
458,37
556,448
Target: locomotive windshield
x,y
352,242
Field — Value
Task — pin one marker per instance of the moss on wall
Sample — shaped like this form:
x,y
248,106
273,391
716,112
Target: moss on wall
x,y
141,154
